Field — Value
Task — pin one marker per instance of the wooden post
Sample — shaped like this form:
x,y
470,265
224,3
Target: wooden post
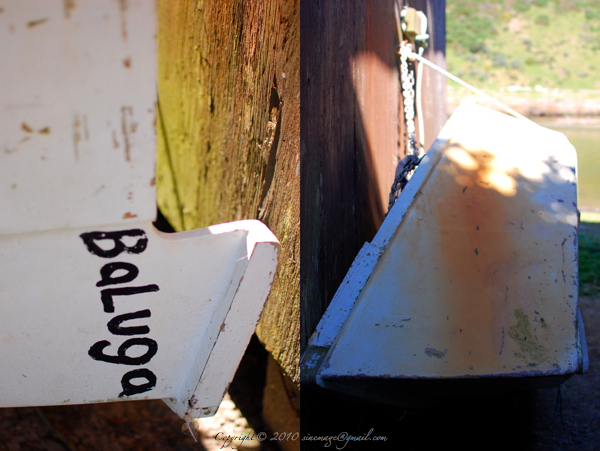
x,y
229,138
352,136
350,139
352,133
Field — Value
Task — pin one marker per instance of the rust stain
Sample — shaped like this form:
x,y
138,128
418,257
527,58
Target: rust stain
x,y
153,181
69,5
26,128
115,142
14,186
123,10
127,62
44,131
472,245
76,134
126,128
35,23
481,255
129,215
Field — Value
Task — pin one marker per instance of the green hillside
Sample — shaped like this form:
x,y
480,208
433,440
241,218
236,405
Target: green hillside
x,y
548,43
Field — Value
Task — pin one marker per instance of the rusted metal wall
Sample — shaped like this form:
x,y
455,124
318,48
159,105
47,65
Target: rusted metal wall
x,y
352,136
228,134
352,132
343,42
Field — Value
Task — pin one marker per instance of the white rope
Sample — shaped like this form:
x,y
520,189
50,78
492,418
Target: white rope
x,y
421,37
419,103
479,92
189,422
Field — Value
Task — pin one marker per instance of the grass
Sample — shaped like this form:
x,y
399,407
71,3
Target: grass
x,y
547,43
589,259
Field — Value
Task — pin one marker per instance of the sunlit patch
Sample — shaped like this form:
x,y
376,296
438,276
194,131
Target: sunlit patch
x,y
548,217
521,163
567,218
563,213
566,174
482,168
504,161
463,180
503,183
534,170
462,159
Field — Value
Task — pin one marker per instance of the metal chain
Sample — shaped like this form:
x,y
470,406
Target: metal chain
x,y
408,93
404,168
412,30
410,162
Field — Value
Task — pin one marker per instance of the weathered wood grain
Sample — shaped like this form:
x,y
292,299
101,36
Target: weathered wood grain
x,y
352,133
228,134
351,139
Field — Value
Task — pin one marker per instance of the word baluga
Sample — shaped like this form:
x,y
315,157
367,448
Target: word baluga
x,y
116,324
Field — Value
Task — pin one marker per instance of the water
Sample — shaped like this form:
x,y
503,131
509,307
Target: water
x,y
584,134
